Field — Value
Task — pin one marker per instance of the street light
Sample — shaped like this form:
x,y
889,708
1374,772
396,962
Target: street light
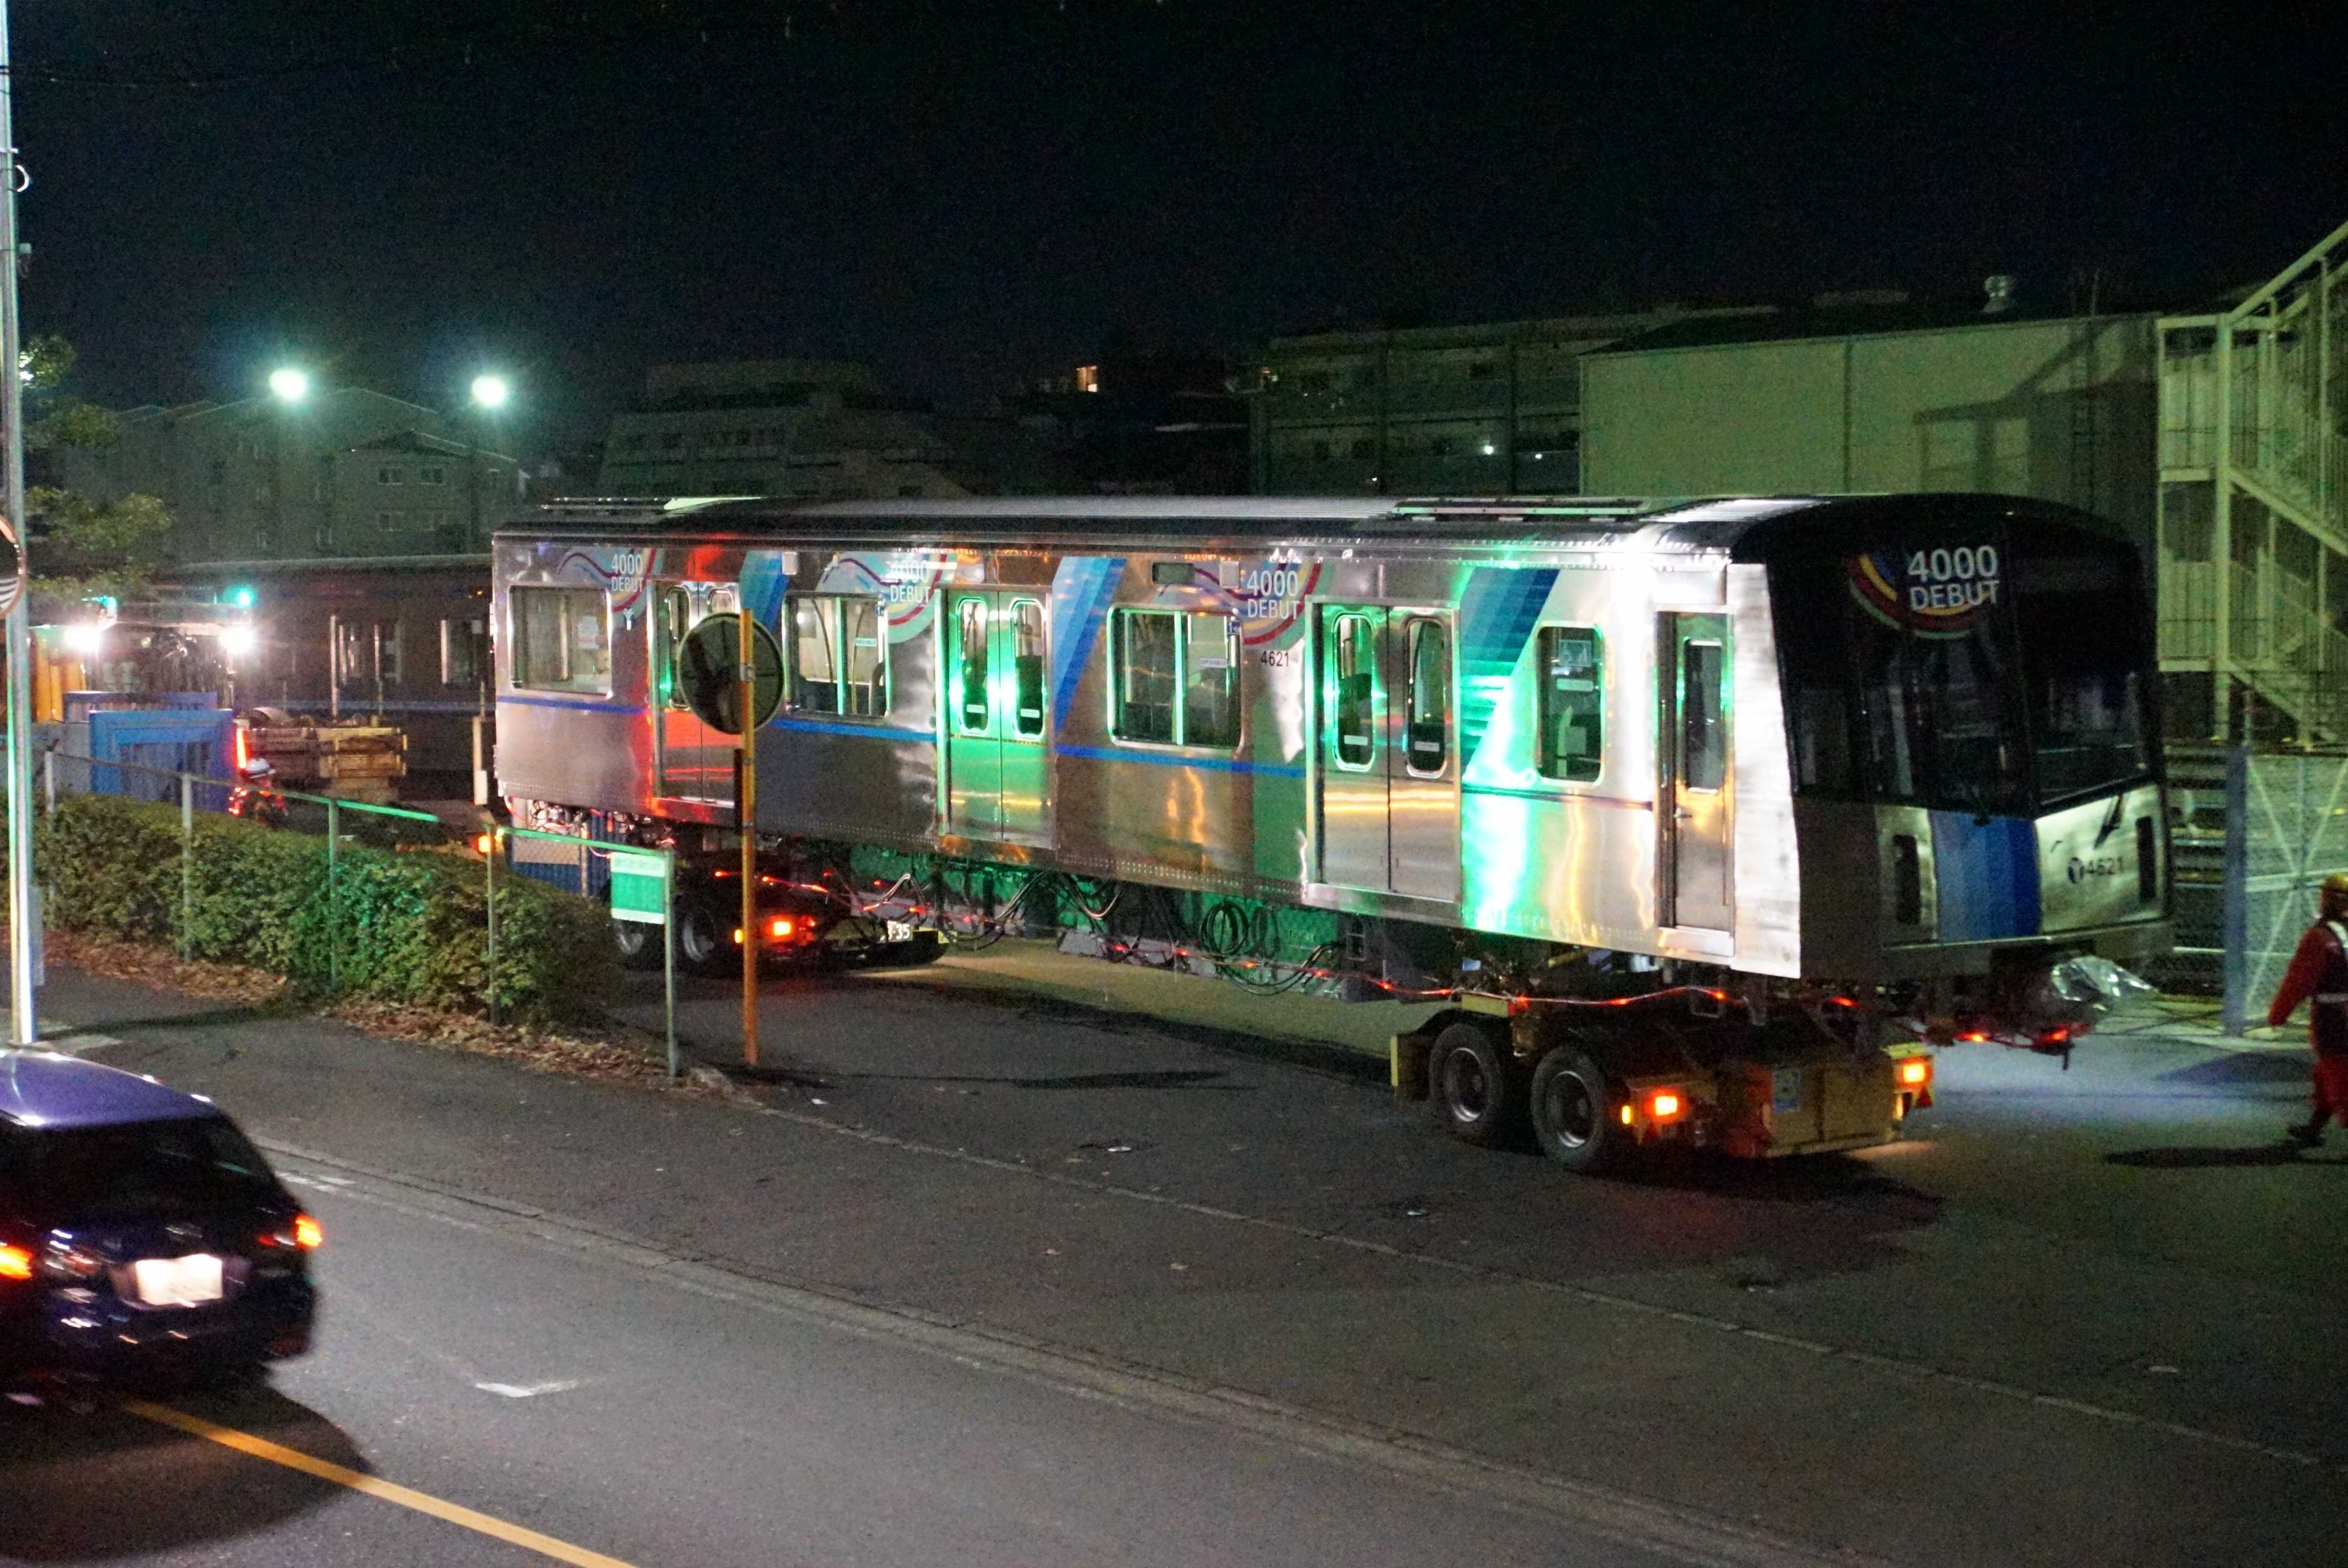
x,y
490,393
289,385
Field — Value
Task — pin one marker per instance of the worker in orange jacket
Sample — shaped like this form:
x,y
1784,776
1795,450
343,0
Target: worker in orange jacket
x,y
2319,975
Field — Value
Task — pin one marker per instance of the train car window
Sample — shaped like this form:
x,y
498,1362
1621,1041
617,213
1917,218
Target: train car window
x,y
2087,700
971,706
675,610
864,646
386,653
1571,702
1704,740
1144,650
464,651
815,664
1210,681
1427,706
1027,666
1354,702
355,655
561,639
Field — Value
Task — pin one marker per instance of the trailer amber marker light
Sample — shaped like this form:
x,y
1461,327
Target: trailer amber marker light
x,y
307,1234
1629,1116
16,1263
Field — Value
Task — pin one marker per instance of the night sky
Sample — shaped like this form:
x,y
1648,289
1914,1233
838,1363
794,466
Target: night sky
x,y
968,194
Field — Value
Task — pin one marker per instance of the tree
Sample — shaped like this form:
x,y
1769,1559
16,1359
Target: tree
x,y
79,549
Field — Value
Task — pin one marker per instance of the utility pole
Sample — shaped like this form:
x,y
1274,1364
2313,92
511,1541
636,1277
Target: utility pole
x,y
24,942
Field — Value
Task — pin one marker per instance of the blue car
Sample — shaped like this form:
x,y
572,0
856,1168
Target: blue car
x,y
141,1236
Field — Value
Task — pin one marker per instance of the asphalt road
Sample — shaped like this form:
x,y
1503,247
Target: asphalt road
x,y
2077,1318
561,1386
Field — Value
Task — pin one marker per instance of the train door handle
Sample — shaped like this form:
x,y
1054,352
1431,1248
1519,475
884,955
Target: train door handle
x,y
1683,813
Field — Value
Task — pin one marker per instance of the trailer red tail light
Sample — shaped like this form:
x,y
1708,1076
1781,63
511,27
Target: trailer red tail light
x,y
16,1262
1915,1071
1664,1106
778,927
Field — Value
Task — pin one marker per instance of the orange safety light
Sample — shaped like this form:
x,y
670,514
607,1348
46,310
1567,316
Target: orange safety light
x,y
16,1263
1664,1106
308,1234
481,844
1915,1071
778,927
737,936
1629,1116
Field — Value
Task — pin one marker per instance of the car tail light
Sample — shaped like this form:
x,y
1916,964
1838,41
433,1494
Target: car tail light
x,y
16,1262
304,1234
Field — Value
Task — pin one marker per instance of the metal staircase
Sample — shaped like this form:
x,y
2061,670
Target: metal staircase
x,y
2253,577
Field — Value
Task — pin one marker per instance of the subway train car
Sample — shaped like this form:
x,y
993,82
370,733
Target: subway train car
x,y
1690,809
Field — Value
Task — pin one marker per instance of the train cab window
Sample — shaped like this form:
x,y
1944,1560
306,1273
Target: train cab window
x,y
1426,705
1704,739
1572,703
970,705
561,639
1354,702
1027,666
839,655
1144,652
1210,681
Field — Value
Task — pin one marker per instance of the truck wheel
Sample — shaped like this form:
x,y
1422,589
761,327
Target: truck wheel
x,y
703,943
1570,1119
1477,1089
636,945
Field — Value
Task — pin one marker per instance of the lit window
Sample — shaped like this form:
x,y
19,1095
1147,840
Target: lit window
x,y
839,655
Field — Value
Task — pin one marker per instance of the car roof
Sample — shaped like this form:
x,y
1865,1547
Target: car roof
x,y
43,1089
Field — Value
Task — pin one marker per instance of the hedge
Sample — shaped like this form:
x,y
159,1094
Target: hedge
x,y
406,927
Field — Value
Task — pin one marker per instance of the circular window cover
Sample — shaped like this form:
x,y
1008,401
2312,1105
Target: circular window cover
x,y
706,672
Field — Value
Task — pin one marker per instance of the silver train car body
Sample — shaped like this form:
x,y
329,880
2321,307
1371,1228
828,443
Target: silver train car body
x,y
1589,724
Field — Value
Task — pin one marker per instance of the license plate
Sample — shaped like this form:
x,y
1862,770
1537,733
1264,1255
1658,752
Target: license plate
x,y
188,1281
1786,1089
898,930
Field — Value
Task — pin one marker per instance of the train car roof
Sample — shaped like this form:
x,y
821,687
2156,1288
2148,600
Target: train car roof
x,y
1743,525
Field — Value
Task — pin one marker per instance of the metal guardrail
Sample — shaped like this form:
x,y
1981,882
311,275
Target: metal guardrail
x,y
581,866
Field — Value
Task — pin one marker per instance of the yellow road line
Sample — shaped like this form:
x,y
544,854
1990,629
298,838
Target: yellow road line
x,y
390,1491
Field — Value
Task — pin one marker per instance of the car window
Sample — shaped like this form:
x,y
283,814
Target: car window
x,y
144,1166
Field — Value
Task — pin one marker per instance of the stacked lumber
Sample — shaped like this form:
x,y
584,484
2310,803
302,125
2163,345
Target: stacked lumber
x,y
354,759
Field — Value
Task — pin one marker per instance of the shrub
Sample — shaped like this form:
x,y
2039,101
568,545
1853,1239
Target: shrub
x,y
399,926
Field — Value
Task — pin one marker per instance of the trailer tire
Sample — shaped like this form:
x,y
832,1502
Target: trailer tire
x,y
703,945
1476,1084
637,944
1570,1112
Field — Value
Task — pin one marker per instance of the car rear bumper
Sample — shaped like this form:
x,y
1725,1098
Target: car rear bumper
x,y
107,1340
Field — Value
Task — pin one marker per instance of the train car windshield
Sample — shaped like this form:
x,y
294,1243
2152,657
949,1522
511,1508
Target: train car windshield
x,y
1978,676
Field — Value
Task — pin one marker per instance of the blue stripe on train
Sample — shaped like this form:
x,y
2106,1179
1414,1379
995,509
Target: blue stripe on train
x,y
1986,876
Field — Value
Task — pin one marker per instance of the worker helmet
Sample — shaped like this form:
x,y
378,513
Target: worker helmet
x,y
2334,893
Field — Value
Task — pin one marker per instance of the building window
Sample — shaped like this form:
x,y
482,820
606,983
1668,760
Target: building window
x,y
433,474
1321,451
464,651
391,522
1161,655
1315,381
1571,723
1363,449
839,655
1482,370
561,639
390,475
1441,446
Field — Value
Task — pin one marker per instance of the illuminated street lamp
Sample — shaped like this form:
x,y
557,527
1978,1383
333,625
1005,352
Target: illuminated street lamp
x,y
490,393
288,385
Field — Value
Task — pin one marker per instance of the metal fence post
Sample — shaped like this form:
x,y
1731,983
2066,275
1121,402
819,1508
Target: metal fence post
x,y
668,957
187,867
490,899
333,901
49,780
2236,926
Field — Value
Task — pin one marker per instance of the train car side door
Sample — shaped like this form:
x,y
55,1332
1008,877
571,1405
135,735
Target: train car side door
x,y
1698,837
694,761
1387,762
997,744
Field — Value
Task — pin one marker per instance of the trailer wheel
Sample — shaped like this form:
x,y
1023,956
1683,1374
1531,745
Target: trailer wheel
x,y
1478,1091
636,944
1570,1121
702,943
